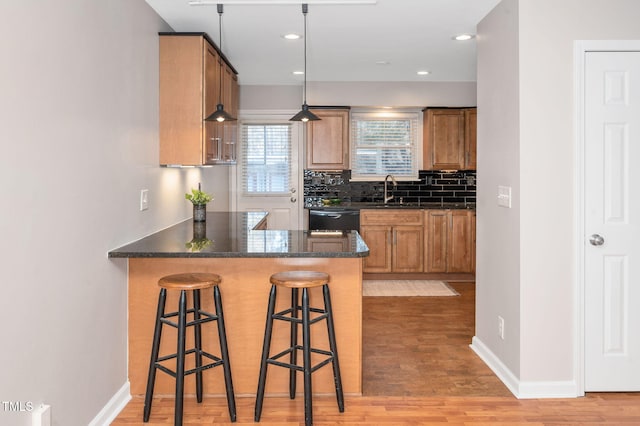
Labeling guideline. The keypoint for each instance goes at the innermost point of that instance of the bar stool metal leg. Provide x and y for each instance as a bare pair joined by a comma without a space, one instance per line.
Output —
306,355
266,346
182,320
197,330
294,342
151,380
333,347
224,354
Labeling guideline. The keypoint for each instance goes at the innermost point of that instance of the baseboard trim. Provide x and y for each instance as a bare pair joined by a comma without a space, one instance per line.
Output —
115,405
494,363
520,389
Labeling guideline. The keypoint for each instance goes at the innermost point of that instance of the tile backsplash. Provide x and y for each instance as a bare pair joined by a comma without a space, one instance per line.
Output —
432,187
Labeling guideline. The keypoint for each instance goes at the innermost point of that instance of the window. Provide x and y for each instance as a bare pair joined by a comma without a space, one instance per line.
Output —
384,143
266,157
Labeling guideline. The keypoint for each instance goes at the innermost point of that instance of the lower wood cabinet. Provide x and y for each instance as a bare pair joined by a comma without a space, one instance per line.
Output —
432,241
450,242
395,239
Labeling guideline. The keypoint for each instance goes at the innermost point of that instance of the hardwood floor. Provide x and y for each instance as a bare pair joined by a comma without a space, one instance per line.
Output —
419,346
418,370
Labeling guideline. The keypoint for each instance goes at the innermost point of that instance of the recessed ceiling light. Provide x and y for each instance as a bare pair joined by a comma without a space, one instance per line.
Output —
292,36
298,72
424,72
383,63
463,37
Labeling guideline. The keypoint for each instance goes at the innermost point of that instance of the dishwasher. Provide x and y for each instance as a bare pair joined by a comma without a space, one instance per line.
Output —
342,219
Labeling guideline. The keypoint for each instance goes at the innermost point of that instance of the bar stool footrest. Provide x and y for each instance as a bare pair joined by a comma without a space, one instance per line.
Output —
216,362
208,318
285,316
274,359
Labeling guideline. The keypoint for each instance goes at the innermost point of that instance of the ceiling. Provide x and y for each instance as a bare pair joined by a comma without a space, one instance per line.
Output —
388,40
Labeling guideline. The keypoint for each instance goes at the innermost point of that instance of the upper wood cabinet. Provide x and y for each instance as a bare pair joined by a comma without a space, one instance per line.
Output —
449,139
328,140
190,73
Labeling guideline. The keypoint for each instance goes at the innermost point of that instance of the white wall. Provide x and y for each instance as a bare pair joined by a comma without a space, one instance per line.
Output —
546,164
79,108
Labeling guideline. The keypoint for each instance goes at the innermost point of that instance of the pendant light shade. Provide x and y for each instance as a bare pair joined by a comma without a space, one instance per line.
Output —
305,115
220,114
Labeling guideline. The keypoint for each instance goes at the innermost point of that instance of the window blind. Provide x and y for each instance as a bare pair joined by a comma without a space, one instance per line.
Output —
383,144
266,159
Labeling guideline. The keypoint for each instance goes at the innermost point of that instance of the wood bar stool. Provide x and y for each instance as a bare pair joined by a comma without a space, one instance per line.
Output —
189,282
296,280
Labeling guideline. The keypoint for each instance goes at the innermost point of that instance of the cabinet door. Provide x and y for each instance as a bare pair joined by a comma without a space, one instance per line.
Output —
328,140
181,95
460,253
473,242
470,123
211,99
378,239
444,139
408,244
323,245
229,128
437,230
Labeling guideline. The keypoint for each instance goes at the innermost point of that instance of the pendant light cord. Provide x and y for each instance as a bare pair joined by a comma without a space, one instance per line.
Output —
304,12
220,10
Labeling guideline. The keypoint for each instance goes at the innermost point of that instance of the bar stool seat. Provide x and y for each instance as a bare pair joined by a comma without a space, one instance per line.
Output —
192,282
296,280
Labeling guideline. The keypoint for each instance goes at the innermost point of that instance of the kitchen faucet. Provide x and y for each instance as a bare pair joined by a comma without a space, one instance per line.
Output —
386,180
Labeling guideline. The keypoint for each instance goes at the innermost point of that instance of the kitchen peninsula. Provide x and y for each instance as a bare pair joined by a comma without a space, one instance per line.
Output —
238,248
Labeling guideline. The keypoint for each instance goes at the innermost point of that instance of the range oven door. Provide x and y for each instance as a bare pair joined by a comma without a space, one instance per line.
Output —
334,219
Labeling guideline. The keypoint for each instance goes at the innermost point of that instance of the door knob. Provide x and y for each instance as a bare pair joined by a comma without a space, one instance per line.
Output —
596,240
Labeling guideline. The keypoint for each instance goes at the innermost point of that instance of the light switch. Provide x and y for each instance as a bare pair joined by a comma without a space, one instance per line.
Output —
504,196
144,199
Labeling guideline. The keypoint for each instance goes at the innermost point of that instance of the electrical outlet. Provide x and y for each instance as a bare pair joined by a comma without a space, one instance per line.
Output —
501,327
144,199
41,416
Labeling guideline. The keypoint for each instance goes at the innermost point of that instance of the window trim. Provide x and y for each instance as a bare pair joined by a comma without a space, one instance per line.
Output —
396,113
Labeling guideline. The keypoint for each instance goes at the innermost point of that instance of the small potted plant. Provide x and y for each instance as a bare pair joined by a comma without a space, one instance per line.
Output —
199,199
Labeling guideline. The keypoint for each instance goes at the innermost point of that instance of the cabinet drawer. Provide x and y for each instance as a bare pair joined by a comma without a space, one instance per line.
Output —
391,217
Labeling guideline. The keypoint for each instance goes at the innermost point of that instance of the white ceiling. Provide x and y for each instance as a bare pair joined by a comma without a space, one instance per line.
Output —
344,41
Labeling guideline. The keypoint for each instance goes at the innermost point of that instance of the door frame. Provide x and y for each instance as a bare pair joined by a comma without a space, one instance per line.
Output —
283,115
581,48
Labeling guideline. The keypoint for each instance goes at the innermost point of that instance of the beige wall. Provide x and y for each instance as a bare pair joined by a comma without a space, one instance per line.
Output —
395,94
79,107
498,237
545,166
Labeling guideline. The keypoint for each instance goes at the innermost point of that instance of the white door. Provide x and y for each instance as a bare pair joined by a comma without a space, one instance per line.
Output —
267,174
612,221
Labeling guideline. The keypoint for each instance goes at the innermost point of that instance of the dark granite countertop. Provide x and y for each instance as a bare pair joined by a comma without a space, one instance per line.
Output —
231,234
392,205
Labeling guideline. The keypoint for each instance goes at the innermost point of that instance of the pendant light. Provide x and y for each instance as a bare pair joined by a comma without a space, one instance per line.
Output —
220,114
305,115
